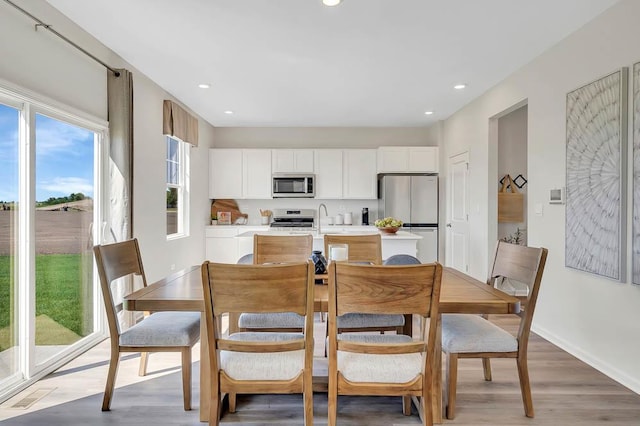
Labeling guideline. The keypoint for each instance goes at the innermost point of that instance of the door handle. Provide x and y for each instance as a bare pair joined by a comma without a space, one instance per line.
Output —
449,225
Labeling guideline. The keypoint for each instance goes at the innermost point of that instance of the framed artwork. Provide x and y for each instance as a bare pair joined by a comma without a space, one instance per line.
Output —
224,218
635,249
595,187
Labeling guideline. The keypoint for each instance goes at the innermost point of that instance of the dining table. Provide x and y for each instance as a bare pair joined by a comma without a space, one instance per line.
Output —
182,291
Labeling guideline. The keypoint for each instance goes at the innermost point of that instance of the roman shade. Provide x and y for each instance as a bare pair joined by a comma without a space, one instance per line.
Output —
179,123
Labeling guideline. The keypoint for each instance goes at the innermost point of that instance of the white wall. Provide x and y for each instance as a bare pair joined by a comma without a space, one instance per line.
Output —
41,62
594,318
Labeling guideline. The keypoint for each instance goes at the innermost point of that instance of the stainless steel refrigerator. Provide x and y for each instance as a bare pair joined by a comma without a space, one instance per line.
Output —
414,200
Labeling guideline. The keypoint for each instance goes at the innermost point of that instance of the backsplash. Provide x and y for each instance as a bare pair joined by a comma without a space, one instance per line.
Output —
334,207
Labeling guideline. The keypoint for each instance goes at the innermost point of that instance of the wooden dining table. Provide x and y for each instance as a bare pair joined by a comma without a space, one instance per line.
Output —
182,291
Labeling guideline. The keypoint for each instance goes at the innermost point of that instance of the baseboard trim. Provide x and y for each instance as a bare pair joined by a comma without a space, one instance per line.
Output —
597,363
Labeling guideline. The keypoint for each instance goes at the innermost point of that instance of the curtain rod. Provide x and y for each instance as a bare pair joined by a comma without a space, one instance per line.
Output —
40,23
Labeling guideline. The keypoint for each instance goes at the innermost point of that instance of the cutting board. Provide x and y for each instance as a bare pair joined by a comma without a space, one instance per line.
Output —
227,206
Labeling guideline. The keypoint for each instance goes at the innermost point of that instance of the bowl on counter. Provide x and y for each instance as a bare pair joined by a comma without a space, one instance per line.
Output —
388,229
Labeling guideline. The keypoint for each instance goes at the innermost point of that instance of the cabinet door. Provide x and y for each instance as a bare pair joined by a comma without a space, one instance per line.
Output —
292,160
256,173
359,174
328,170
225,173
221,245
393,159
423,159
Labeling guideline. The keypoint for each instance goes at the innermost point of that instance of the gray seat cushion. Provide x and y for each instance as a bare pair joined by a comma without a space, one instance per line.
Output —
464,333
370,320
263,366
164,329
376,368
271,320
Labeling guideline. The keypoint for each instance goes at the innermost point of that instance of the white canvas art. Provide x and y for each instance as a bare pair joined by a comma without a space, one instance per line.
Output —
596,140
635,259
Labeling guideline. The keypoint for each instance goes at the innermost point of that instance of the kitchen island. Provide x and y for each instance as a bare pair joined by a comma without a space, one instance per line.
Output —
402,242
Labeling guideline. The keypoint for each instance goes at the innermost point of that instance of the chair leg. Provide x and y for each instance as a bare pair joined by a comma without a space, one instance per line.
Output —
332,401
525,386
231,397
486,366
406,405
186,378
144,360
111,379
451,378
308,398
214,406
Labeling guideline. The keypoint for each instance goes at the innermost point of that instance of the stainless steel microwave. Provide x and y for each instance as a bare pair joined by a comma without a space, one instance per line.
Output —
293,185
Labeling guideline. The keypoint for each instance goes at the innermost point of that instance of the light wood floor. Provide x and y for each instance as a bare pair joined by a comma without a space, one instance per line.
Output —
565,392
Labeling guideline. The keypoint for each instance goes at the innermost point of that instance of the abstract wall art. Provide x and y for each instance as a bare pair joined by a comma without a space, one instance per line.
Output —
595,194
635,251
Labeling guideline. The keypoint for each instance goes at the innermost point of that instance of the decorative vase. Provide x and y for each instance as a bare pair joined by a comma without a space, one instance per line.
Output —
319,261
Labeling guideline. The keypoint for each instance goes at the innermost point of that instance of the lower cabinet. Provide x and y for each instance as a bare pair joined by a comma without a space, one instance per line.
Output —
222,245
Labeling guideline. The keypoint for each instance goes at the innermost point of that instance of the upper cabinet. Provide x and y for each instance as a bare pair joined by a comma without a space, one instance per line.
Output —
225,173
328,171
408,159
239,173
292,160
359,178
256,183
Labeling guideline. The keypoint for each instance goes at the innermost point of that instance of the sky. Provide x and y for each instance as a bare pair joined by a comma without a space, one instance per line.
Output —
64,157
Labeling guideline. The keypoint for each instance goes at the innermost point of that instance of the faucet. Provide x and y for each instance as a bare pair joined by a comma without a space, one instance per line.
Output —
325,213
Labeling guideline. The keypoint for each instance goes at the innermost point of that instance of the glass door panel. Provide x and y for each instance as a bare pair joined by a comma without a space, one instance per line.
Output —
9,342
64,192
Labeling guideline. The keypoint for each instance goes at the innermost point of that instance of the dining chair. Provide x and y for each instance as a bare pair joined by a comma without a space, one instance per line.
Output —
277,249
158,332
364,248
259,362
384,364
473,336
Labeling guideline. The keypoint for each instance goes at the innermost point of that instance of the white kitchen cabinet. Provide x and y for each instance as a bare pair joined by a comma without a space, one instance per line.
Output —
292,160
225,173
359,177
220,244
328,171
407,159
256,182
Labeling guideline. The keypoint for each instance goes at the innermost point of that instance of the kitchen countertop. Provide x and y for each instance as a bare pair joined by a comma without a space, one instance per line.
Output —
400,235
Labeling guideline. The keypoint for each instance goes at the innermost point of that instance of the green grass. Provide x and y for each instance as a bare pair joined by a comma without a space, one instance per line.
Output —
60,294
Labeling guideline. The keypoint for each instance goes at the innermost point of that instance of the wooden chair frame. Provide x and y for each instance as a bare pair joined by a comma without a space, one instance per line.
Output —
362,248
410,289
526,265
116,261
258,288
276,249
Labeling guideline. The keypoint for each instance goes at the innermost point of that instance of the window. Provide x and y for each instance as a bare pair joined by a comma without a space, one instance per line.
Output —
177,187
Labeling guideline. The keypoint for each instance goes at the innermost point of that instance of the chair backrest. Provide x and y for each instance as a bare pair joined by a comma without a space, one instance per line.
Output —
402,259
261,288
116,261
281,248
362,248
378,289
525,265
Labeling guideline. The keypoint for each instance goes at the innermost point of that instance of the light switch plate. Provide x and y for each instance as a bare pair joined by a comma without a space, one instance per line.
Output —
539,208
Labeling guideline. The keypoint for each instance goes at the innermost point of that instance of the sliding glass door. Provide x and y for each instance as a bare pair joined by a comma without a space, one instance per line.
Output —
50,202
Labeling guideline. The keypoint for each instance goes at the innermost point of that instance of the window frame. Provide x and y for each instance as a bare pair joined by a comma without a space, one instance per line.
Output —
182,187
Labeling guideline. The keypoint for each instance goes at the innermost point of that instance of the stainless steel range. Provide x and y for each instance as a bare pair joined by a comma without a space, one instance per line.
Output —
293,218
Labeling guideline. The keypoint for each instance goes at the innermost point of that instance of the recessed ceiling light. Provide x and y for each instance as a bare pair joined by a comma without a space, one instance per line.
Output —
428,112
459,86
331,2
228,112
204,85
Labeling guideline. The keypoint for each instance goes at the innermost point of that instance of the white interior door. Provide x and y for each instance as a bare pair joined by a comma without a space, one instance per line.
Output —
458,224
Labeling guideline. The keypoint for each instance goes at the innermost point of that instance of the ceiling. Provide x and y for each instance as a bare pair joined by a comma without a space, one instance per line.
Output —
297,63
